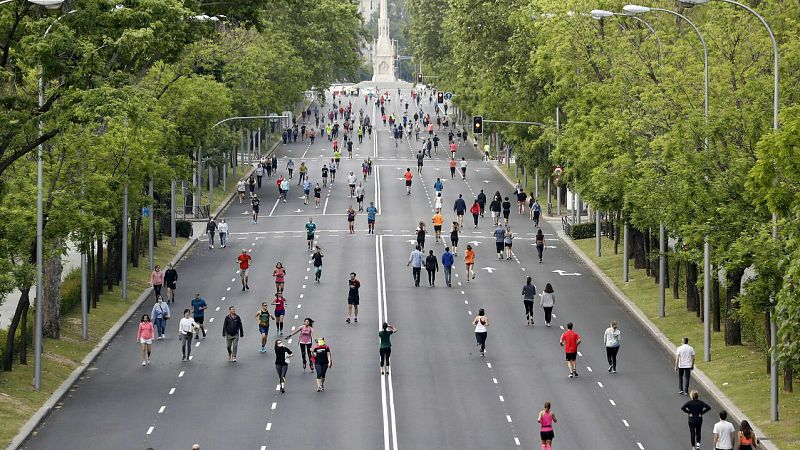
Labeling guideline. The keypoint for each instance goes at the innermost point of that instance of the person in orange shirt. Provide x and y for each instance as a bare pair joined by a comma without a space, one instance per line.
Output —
438,220
469,259
452,168
408,175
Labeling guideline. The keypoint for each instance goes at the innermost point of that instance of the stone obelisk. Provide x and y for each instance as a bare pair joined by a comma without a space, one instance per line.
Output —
383,57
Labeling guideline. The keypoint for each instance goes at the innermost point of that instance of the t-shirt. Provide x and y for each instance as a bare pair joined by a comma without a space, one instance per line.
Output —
321,354
408,176
354,285
351,179
197,305
280,355
438,220
244,261
317,191
385,336
255,202
310,228
724,431
685,353
499,235
280,303
317,257
506,206
570,339
324,172
371,212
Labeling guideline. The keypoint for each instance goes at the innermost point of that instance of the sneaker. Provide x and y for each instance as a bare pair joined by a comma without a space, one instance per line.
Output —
575,373
319,389
680,392
609,368
571,375
165,336
548,324
183,359
247,286
355,320
262,350
242,288
282,390
381,372
233,358
347,320
613,370
144,363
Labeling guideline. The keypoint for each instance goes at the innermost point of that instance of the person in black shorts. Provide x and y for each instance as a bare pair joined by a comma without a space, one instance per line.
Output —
255,202
506,209
352,297
317,195
324,175
323,360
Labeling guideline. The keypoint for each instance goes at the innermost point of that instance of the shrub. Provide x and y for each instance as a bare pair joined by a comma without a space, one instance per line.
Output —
71,291
582,230
183,228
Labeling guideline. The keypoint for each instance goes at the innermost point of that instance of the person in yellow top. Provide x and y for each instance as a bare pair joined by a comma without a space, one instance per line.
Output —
469,259
438,220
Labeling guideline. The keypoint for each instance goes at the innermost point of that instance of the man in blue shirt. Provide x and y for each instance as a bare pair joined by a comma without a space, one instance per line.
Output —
371,212
460,207
447,263
415,260
499,238
310,228
199,311
438,186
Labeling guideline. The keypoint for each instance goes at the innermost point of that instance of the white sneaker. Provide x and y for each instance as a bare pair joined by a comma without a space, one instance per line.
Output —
144,363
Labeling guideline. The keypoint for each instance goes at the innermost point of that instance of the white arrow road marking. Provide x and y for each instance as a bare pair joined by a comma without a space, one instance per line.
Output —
475,243
564,273
489,269
486,181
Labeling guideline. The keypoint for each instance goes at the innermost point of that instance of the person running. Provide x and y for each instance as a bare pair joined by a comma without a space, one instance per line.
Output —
481,322
536,211
360,196
144,336
475,209
303,171
469,261
317,262
317,195
528,297
452,168
684,363
259,174
211,230
385,348
431,266
280,311
499,237
223,233
311,227
454,237
506,205
306,339
365,170
539,244
199,307
160,315
255,202
546,420
241,188
481,199
323,360
570,340
415,260
508,242
244,268
421,232
157,280
438,186
747,437
611,338
447,264
460,208
463,168
495,207
351,219
351,181
420,161
171,281
279,273
262,316
282,355
408,176
547,300
352,297
290,167
453,148
372,212
437,221
521,198
306,190
695,408
724,433
332,169
325,175
232,330
186,330
251,183
284,189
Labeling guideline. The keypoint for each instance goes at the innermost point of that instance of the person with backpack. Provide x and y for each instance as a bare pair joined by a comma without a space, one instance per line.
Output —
160,315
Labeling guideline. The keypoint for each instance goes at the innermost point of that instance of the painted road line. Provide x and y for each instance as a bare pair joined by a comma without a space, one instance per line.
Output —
600,384
625,422
171,391
641,447
325,208
274,405
588,368
501,398
269,426
274,206
612,402
150,430
180,375
516,440
161,410
495,380
210,320
508,418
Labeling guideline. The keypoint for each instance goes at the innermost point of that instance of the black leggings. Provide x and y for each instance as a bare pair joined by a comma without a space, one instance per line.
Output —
431,276
385,354
305,349
481,338
281,369
611,355
694,432
475,219
548,312
528,309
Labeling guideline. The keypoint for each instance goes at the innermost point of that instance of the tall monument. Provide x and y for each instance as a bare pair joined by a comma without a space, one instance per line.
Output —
383,50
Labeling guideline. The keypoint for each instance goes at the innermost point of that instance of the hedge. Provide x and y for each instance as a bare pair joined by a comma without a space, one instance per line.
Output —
582,230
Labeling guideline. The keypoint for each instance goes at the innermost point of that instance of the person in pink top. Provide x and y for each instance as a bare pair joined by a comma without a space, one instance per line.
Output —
546,420
145,337
306,339
157,280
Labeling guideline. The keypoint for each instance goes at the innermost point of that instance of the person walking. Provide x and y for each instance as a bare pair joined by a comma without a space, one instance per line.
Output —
724,433
747,437
280,311
251,183
290,167
311,227
211,229
437,221
282,355
317,195
306,339
415,260
506,206
317,262
684,363
280,277
452,168
540,244
241,188
232,331
508,243
353,298
259,174
307,185
463,168
437,203
262,316
547,300
611,338
536,211
546,420
454,237
421,232
303,170
360,196
460,208
528,297
469,261
284,189
144,336
351,182
171,281
351,220
447,264
160,315
495,207
385,349
695,409
499,240
570,340
475,209
372,212
481,322
186,330
323,360
431,266
157,280
223,233
199,307
244,268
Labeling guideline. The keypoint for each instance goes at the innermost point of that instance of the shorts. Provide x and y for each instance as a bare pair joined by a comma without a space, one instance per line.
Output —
263,330
352,301
572,356
360,198
508,244
255,209
317,269
370,221
352,186
244,272
546,435
172,285
495,214
499,246
280,312
321,370
145,341
306,192
437,228
309,237
408,182
199,319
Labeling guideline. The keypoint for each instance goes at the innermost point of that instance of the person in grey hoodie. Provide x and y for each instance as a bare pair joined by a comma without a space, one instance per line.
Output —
528,296
160,315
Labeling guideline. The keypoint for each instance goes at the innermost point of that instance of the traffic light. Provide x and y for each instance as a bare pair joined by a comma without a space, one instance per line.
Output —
440,97
420,78
477,124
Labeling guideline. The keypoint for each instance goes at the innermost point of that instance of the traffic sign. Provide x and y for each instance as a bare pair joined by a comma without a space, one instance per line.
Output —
145,211
448,95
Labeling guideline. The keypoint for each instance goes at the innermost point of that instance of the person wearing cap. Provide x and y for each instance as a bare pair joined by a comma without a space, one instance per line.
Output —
262,316
323,360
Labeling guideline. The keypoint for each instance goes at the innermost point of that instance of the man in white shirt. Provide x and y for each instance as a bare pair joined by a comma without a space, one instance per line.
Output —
724,433
684,363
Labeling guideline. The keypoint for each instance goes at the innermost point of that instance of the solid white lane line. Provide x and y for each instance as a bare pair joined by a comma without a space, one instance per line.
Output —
625,422
612,402
150,430
384,409
171,391
161,410
325,208
274,206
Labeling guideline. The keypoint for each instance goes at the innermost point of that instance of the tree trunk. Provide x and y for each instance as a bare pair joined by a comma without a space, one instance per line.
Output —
135,241
692,296
768,334
51,304
788,374
648,253
23,326
733,328
19,313
676,284
98,279
616,233
110,245
666,268
715,307
637,248
90,275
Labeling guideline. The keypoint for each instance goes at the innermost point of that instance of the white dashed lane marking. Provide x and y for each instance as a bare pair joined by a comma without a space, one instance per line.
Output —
150,430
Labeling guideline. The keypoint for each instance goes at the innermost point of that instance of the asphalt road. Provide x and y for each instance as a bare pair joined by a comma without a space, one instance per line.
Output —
439,395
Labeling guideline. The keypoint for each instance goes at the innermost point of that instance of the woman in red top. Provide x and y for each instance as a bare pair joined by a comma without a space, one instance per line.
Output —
279,273
476,212
280,311
145,337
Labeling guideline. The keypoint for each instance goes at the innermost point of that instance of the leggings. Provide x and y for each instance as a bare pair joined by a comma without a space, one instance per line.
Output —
157,290
539,250
475,219
281,371
528,309
186,345
611,355
694,432
548,312
481,338
431,276
305,349
385,354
